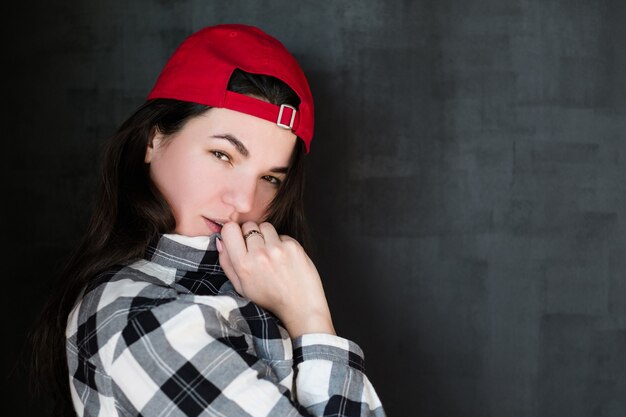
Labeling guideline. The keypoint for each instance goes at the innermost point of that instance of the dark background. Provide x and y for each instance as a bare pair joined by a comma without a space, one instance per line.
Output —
465,185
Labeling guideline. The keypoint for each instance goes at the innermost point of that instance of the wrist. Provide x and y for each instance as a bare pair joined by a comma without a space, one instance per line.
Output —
317,323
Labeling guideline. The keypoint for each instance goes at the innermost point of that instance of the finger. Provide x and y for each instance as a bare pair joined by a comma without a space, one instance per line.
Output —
228,268
252,236
269,233
233,242
286,238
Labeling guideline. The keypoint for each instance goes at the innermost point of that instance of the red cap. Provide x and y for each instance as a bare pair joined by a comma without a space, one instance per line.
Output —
199,71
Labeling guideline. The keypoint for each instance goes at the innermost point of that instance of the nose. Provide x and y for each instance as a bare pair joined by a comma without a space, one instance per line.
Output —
240,195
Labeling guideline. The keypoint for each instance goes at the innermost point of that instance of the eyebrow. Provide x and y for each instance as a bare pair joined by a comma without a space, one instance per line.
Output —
279,170
241,148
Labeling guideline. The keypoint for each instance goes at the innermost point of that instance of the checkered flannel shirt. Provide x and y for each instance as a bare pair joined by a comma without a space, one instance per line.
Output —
169,336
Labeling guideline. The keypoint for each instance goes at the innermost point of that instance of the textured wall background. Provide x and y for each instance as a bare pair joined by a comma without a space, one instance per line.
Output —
466,181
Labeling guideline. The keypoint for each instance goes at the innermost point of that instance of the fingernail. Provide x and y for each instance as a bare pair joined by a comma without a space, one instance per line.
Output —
218,244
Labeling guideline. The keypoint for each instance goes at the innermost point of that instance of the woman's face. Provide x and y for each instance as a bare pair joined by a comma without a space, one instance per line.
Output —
222,166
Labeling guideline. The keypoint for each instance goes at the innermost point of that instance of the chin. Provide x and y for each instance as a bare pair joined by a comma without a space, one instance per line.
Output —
192,231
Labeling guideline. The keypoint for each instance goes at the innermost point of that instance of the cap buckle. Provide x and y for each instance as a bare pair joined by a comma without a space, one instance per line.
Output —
280,116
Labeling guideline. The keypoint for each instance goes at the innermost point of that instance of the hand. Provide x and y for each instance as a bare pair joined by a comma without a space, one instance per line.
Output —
276,273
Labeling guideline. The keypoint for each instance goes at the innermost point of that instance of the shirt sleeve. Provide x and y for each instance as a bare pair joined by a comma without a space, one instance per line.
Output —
331,377
184,358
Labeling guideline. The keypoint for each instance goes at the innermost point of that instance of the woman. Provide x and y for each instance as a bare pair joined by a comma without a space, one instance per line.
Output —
190,293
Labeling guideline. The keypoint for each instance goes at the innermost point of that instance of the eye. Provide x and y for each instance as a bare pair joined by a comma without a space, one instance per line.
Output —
221,156
272,180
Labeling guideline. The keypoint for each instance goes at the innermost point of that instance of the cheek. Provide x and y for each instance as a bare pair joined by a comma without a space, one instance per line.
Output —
180,181
265,196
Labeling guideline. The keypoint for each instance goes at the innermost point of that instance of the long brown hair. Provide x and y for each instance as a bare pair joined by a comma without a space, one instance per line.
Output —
131,212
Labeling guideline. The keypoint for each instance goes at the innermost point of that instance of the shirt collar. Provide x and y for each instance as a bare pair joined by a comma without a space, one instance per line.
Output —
186,253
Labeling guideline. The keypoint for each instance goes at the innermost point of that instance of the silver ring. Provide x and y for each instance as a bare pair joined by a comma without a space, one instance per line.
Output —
251,233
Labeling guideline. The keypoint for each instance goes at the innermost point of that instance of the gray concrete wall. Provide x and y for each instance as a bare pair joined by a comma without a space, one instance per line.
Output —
466,181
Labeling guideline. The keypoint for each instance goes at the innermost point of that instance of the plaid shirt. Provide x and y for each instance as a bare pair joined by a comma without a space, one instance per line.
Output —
169,336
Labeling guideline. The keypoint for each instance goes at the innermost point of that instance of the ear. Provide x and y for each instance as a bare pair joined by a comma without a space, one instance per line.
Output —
153,145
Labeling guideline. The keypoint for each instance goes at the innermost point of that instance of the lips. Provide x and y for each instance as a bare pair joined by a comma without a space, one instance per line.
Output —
214,225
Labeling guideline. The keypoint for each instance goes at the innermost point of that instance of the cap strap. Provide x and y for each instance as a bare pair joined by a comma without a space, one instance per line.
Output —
284,115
